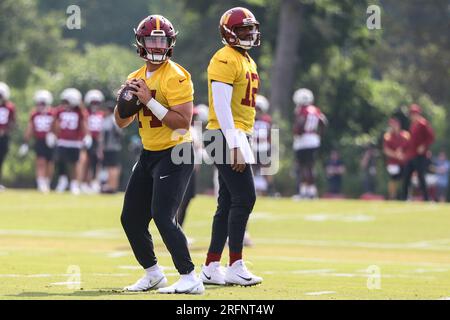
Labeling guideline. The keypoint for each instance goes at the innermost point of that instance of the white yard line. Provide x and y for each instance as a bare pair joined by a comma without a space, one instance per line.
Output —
90,234
319,293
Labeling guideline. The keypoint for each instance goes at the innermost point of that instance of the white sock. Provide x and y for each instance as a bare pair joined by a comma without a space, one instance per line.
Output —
40,182
153,269
303,189
74,184
312,191
190,276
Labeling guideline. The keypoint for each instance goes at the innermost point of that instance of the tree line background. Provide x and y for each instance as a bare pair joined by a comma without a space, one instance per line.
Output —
359,77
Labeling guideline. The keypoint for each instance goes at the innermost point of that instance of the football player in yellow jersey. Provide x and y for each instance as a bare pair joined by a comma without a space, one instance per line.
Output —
232,84
159,181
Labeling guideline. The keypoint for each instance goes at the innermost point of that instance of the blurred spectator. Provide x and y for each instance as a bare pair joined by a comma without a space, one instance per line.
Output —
110,146
395,142
369,169
7,122
262,146
199,119
441,167
335,169
135,147
422,136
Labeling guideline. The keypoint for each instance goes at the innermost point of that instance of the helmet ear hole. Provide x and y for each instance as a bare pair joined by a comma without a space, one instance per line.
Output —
142,52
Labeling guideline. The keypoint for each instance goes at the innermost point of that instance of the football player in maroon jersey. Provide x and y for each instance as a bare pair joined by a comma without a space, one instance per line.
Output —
89,160
309,123
7,122
262,144
39,128
395,142
70,128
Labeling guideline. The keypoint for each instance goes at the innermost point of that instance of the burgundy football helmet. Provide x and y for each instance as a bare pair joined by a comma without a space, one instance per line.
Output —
239,17
155,39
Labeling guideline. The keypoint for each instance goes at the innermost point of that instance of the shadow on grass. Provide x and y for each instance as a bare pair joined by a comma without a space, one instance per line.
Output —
80,293
97,293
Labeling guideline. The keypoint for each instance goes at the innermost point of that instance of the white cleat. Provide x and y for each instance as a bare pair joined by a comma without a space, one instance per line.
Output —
213,273
63,183
86,189
147,283
237,274
185,286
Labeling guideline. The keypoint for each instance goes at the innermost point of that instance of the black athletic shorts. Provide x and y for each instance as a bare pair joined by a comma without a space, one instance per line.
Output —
42,150
306,156
4,147
111,158
70,155
92,151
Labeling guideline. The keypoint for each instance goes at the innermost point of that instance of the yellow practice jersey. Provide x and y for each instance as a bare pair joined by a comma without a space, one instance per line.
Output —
230,66
170,85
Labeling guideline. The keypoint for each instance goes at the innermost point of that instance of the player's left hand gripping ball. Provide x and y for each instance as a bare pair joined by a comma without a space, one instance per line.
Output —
128,103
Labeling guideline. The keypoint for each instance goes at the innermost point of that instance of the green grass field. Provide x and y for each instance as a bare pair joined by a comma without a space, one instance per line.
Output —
304,250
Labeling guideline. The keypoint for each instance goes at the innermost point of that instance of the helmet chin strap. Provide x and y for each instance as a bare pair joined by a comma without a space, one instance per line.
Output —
247,45
156,58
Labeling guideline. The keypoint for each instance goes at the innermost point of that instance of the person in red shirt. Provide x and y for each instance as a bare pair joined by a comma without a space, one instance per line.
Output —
39,128
89,156
309,124
422,136
395,142
7,122
70,128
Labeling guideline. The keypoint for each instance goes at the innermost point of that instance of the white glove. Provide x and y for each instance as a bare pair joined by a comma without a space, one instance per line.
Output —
87,141
50,140
23,150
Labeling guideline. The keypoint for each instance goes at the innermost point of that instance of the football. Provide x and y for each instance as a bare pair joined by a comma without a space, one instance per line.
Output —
127,103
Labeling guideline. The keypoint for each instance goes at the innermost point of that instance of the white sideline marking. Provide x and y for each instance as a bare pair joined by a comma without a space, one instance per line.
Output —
90,234
130,267
319,217
444,298
434,270
329,273
317,271
319,293
118,254
441,244
436,244
26,275
339,217
322,260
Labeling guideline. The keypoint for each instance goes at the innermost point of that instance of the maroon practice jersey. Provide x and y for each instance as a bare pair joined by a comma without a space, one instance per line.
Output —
7,116
308,125
41,122
70,127
95,123
261,133
308,120
421,134
396,142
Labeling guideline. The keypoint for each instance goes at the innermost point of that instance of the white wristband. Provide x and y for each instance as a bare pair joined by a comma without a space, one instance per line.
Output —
157,108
